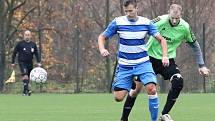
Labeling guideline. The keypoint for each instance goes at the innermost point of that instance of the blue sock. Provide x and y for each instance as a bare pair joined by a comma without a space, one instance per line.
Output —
153,106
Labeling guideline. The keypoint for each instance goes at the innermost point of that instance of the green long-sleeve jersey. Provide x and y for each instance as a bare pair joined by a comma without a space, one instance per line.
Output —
174,35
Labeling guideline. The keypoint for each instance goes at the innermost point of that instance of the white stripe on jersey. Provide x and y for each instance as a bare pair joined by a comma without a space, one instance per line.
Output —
122,61
124,21
131,49
132,35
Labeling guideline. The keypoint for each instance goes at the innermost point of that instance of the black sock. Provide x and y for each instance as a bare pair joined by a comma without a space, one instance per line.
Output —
129,103
177,85
171,99
133,85
25,86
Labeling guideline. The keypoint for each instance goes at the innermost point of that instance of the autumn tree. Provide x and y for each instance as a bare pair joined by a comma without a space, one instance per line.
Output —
8,26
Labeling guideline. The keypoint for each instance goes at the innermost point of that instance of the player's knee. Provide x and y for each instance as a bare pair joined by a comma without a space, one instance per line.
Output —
151,89
25,81
25,77
177,82
118,99
119,95
137,90
134,93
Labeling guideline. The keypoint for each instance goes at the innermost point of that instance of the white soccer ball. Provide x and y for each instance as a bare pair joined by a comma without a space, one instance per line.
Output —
38,75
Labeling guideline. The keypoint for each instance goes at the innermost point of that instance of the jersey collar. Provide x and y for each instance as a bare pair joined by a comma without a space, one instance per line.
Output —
174,25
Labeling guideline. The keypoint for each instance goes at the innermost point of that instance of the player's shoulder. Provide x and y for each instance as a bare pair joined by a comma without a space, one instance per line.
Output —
184,23
163,18
144,20
120,20
32,42
20,42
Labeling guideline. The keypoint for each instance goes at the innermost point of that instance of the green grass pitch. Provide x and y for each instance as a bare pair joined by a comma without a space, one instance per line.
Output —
99,107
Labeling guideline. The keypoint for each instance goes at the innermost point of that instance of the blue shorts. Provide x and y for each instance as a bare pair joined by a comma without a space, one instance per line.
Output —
124,75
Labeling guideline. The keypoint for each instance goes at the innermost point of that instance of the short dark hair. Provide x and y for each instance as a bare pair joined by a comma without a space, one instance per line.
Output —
128,2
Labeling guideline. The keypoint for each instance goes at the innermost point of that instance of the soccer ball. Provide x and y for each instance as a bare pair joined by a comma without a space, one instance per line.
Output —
38,75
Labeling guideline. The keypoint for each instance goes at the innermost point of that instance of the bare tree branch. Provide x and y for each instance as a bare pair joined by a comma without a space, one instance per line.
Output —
96,16
20,22
7,2
18,6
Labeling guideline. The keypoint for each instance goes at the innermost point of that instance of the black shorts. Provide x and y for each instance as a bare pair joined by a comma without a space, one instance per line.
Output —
25,67
166,72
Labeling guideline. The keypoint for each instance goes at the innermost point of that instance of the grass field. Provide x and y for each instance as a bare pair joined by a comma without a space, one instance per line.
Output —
98,107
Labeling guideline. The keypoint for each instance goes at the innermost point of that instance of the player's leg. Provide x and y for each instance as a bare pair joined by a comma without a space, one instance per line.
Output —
131,97
119,94
25,84
122,83
24,73
176,87
29,68
149,80
173,74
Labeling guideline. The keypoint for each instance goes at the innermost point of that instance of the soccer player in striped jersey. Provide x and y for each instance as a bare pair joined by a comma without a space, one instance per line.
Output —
176,31
133,59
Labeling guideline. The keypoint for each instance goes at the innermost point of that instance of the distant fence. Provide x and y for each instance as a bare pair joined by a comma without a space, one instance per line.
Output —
193,83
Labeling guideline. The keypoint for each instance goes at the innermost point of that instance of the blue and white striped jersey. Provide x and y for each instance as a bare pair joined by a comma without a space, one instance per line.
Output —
132,35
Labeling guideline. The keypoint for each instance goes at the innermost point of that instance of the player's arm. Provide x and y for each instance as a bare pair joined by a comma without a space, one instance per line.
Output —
203,70
165,59
15,51
197,53
154,32
36,53
101,42
108,33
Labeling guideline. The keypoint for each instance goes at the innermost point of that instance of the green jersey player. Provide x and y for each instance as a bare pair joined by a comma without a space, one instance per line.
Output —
176,31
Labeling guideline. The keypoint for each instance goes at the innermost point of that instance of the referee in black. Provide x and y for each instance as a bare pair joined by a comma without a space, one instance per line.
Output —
25,50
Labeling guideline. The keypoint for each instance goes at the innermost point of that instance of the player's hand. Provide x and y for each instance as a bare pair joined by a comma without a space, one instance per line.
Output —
165,61
39,64
104,52
204,71
13,65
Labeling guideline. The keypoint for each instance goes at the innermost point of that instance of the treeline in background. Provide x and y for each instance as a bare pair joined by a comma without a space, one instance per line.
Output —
66,33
